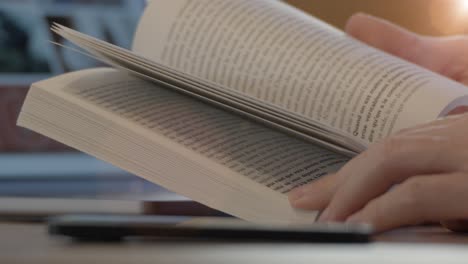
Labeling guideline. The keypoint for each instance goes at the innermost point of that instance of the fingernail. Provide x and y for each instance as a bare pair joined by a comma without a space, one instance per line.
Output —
353,219
361,14
302,202
357,219
324,216
296,194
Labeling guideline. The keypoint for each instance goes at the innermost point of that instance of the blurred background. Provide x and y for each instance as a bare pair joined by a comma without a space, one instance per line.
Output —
429,17
34,166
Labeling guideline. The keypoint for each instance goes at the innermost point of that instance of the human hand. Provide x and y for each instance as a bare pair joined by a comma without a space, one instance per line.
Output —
417,175
447,56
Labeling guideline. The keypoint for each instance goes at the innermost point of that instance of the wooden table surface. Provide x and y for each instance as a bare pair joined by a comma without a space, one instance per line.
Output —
30,243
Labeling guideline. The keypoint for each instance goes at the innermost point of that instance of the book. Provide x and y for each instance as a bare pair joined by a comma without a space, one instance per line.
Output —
234,103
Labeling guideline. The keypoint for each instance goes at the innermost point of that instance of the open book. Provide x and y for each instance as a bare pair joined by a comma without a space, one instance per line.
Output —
235,103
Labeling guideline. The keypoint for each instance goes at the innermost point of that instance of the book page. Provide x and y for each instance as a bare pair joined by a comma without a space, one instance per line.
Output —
84,110
214,94
270,158
278,54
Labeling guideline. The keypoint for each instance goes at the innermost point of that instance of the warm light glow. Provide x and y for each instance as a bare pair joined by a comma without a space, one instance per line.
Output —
449,17
464,5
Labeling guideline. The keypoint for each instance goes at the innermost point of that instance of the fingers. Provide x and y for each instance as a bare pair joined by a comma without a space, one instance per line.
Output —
385,36
383,166
447,55
315,195
438,126
419,199
436,147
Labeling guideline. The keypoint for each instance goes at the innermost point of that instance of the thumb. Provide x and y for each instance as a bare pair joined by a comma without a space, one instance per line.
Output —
388,37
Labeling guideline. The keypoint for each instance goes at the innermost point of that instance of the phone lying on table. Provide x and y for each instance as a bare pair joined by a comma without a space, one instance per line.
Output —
117,227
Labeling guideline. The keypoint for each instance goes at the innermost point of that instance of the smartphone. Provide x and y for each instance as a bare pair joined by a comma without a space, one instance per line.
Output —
118,227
